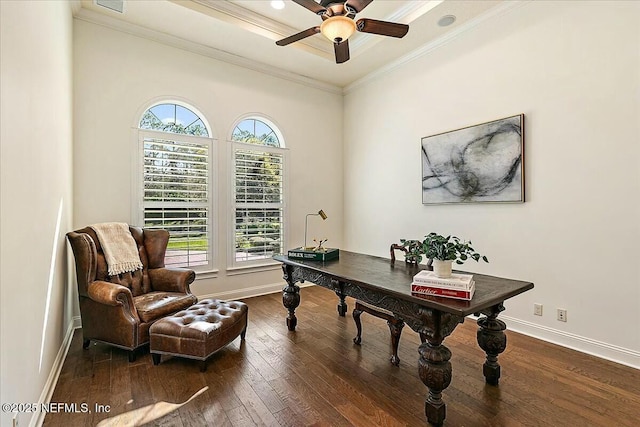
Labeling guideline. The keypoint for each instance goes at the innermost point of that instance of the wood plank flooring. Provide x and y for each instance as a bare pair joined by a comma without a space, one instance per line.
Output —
317,376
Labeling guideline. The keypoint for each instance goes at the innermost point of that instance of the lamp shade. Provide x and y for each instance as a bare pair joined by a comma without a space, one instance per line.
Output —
338,28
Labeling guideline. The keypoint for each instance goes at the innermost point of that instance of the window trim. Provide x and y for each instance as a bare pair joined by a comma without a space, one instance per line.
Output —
266,120
261,264
210,269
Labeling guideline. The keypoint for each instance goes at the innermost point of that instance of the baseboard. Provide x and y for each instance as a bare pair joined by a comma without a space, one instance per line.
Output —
45,397
579,343
254,291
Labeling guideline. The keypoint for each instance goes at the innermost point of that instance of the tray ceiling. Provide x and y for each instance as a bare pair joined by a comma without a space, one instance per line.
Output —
245,31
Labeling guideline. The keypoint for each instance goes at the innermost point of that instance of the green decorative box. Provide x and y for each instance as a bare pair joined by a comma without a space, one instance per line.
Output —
310,255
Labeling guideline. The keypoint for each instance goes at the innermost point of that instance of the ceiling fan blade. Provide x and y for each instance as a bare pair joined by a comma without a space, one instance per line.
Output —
311,5
383,28
358,5
342,51
299,36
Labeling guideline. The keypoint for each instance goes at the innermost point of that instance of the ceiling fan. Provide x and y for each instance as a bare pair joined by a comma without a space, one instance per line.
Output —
338,24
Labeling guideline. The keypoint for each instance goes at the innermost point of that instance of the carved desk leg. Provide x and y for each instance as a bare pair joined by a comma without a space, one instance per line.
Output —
434,366
493,341
339,289
290,296
435,372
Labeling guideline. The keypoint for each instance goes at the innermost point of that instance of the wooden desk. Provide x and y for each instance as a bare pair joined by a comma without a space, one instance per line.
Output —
384,284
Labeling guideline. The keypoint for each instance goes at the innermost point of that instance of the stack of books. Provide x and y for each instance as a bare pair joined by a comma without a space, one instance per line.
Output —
458,286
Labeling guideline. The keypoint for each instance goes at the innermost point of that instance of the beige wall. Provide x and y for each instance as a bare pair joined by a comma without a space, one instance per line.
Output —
36,72
117,75
573,69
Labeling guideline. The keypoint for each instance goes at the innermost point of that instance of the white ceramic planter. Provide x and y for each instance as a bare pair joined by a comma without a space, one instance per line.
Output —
442,268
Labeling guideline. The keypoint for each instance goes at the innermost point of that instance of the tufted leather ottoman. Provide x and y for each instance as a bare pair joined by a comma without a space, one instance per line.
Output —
199,331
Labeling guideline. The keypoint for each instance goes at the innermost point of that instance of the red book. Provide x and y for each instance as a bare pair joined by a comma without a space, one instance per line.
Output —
421,290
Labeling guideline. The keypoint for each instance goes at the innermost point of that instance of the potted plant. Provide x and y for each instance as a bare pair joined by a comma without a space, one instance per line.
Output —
443,251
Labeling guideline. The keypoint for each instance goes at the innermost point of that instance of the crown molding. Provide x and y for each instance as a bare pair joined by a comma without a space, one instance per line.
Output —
93,17
258,24
406,15
200,49
267,27
75,6
470,25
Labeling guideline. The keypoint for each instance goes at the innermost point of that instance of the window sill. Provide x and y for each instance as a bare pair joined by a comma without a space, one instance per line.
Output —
208,274
254,268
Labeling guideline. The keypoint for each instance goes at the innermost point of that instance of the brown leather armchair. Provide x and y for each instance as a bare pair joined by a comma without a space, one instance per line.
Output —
119,310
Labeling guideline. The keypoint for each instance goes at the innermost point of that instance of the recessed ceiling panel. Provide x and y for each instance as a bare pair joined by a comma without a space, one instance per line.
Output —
248,29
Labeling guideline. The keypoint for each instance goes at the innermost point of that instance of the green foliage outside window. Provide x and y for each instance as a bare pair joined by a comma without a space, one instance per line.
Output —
259,188
171,123
176,182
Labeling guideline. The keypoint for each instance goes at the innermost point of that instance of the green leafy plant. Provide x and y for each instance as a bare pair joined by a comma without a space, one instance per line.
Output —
414,250
435,246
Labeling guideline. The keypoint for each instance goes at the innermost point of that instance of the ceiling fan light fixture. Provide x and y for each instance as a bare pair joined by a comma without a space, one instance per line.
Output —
338,28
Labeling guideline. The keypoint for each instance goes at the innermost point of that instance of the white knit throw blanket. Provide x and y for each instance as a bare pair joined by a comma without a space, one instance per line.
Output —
119,247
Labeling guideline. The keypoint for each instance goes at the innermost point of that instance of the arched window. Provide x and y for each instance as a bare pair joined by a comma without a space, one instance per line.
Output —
176,169
255,131
173,118
258,191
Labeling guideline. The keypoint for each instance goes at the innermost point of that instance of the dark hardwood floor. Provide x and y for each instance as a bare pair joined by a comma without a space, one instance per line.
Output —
317,376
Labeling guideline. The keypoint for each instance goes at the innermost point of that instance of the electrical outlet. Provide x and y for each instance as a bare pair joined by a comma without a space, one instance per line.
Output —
562,315
537,309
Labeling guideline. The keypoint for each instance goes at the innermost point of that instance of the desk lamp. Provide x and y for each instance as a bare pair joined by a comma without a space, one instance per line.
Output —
321,214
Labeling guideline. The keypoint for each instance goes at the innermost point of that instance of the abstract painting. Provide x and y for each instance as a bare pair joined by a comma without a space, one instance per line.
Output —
480,163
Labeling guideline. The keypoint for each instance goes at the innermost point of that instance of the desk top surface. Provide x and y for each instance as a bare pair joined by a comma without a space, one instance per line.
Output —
380,275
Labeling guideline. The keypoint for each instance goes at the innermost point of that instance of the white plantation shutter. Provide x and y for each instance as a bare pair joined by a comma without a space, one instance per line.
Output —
259,202
177,195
